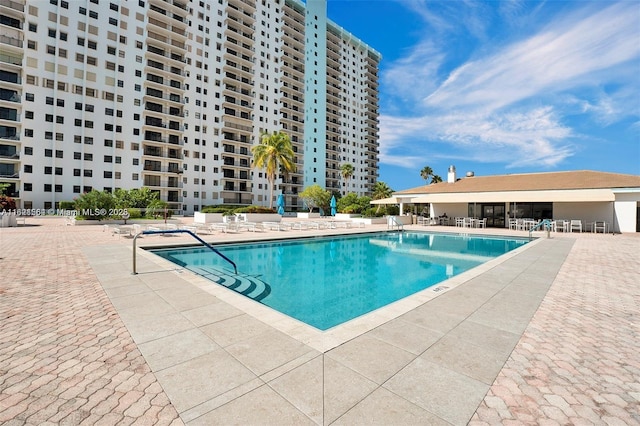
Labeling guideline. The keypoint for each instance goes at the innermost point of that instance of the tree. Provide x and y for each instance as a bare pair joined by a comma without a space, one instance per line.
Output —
135,198
380,191
346,170
316,196
426,173
96,203
274,154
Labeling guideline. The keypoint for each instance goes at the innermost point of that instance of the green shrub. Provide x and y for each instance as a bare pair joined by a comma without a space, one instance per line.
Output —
373,212
214,209
134,213
67,205
96,203
254,209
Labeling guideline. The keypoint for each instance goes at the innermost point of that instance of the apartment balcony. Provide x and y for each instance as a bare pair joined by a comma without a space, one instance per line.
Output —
9,134
240,25
175,6
241,93
156,182
244,38
238,10
11,45
12,62
7,6
163,11
169,40
239,60
155,152
158,167
11,78
151,107
9,114
7,173
157,95
169,70
9,96
295,23
247,5
170,29
172,59
9,158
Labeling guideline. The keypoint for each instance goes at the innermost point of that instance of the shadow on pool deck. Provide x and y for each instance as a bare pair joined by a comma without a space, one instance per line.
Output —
433,364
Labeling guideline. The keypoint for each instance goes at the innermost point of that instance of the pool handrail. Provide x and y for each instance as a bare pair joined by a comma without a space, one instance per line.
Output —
395,223
546,223
178,231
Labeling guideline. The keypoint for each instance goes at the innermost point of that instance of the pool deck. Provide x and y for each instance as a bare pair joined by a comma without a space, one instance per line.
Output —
548,334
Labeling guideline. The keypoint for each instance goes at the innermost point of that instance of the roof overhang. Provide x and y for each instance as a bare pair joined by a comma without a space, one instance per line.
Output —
392,200
558,196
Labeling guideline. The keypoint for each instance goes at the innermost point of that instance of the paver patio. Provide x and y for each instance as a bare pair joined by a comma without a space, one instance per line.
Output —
82,341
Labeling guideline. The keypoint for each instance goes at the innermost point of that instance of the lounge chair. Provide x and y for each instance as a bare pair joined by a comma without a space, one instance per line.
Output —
250,226
277,226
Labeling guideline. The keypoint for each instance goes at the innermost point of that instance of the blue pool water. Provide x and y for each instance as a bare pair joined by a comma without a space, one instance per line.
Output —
326,281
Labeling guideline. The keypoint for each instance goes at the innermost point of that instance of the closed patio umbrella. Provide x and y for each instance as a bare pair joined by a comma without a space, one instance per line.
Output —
280,204
333,205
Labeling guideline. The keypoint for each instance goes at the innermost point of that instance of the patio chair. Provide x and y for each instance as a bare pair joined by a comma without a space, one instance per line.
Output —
481,223
599,226
576,225
561,225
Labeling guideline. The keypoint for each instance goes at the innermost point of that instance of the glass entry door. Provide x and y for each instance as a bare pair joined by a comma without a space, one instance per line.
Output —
494,213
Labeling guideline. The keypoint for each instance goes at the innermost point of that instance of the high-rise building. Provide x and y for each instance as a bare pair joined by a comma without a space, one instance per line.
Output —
172,95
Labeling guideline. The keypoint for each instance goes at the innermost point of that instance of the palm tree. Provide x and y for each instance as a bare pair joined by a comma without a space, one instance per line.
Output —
426,173
274,153
346,170
380,191
436,179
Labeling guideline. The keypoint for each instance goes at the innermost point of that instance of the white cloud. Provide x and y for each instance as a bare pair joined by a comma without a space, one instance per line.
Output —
507,106
516,139
562,57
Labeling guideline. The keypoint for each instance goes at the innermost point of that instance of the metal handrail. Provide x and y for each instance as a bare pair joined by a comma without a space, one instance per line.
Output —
178,231
546,222
397,223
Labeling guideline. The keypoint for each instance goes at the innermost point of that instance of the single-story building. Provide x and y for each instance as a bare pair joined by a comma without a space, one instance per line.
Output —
584,195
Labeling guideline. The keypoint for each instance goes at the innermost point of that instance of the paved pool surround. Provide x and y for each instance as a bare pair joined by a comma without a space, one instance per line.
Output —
85,341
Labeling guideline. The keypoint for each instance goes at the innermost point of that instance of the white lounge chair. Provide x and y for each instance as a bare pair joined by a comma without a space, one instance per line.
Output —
250,226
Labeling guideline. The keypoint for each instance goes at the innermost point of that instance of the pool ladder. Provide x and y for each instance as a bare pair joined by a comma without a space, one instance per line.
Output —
393,221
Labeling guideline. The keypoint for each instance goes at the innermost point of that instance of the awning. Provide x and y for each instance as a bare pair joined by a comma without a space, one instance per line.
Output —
392,200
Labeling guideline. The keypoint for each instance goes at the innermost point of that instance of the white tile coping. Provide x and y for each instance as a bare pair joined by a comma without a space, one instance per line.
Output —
324,341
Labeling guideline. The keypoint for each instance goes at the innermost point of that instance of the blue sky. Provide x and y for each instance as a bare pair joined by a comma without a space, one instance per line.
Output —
502,86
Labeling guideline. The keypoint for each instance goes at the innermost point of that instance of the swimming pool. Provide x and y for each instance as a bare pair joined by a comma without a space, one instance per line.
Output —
326,281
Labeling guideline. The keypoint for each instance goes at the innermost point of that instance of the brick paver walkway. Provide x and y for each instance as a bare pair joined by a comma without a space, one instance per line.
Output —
579,360
65,355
